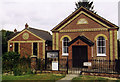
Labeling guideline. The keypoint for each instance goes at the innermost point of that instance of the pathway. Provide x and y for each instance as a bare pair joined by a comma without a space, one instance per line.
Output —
68,78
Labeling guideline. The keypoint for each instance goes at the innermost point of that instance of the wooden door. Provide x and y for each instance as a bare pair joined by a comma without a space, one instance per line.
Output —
79,55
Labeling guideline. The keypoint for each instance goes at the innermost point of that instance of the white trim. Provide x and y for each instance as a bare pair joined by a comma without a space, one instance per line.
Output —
98,54
101,54
92,51
64,54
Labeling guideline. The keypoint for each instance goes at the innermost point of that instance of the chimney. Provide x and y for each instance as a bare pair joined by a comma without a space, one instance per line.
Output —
26,26
15,30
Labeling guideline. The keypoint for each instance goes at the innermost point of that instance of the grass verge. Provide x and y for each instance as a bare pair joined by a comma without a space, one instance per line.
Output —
86,78
34,77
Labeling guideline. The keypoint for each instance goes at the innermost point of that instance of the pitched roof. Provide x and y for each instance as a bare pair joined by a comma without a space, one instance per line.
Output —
108,23
12,35
41,33
84,39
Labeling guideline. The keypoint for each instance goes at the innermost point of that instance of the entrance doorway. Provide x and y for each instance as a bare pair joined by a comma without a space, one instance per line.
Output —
79,55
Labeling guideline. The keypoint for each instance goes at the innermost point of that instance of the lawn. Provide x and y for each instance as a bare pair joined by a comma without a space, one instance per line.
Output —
33,77
86,78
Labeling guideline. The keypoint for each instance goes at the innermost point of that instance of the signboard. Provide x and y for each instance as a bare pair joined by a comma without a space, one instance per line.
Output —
52,54
55,65
87,63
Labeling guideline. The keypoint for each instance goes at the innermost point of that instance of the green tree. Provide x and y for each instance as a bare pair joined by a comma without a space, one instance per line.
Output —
85,3
5,35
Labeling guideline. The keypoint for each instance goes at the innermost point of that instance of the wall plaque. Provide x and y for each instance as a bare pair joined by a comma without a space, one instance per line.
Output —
87,63
82,21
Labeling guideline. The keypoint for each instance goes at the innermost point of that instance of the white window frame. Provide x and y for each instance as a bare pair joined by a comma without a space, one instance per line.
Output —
64,54
98,54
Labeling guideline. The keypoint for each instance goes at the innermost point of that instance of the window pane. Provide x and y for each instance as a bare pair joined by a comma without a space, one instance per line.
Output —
64,50
99,43
103,43
99,50
101,38
103,50
65,43
16,47
66,39
67,49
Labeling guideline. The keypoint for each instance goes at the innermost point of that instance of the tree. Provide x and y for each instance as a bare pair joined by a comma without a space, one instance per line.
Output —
5,35
85,3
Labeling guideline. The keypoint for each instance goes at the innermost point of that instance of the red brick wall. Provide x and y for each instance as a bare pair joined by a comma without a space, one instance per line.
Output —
40,50
11,49
91,36
91,24
26,49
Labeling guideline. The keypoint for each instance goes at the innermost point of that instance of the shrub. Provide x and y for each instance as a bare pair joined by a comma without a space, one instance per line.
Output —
9,61
17,72
13,62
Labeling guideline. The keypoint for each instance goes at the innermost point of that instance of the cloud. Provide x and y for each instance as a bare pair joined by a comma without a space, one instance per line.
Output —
44,14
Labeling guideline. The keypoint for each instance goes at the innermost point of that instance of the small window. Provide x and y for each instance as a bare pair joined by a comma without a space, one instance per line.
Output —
35,49
65,46
101,46
16,47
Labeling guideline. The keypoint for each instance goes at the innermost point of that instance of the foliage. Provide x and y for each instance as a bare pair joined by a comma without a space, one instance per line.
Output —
85,3
17,71
41,64
5,35
13,62
10,61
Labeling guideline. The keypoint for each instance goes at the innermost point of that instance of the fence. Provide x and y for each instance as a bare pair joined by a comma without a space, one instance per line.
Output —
97,66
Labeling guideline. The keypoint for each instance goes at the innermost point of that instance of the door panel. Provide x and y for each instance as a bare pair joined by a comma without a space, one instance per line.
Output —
79,55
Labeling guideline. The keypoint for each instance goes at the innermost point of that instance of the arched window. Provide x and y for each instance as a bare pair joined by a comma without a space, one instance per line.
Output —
101,46
65,46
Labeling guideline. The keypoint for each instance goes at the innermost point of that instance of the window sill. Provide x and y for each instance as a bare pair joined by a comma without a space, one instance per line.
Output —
101,55
64,54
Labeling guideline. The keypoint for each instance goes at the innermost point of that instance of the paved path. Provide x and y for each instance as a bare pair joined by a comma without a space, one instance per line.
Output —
68,78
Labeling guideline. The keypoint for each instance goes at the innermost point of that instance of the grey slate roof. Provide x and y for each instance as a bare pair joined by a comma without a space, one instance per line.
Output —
41,33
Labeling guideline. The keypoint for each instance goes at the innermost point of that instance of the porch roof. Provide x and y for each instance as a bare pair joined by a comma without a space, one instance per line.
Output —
84,39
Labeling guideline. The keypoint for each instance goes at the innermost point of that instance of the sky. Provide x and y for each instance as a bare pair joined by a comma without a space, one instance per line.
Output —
46,14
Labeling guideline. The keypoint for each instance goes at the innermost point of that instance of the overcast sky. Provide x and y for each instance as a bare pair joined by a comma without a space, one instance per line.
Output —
46,14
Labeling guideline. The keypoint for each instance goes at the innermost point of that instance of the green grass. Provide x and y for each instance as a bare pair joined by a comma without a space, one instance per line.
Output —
86,78
34,77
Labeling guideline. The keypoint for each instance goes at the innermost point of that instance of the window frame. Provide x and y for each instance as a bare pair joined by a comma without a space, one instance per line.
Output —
64,54
101,54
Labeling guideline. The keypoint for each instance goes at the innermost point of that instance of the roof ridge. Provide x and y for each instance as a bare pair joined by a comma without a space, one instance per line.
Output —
39,29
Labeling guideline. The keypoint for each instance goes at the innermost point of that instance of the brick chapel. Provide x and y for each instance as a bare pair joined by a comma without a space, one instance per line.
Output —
84,35
30,42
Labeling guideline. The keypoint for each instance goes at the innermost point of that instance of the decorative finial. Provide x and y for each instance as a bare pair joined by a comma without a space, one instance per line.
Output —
26,26
15,30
